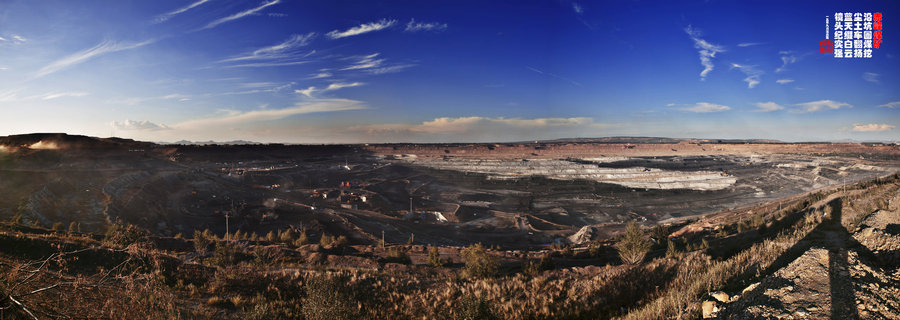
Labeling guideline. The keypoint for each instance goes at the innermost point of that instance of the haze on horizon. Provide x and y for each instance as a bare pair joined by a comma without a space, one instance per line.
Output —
441,71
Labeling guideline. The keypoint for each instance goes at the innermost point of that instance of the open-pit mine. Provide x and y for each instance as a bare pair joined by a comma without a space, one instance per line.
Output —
513,195
627,228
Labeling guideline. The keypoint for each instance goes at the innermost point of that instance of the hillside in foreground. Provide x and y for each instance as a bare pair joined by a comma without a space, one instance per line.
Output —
830,253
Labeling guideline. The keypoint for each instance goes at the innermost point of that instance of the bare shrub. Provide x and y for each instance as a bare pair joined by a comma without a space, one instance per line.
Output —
479,263
534,268
434,258
201,242
329,297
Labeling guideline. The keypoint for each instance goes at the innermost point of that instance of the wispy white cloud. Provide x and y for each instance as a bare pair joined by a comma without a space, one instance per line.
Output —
464,124
139,100
787,57
479,129
749,44
321,75
50,96
254,85
363,28
85,55
577,8
169,15
340,85
242,14
390,69
310,91
364,62
19,38
176,96
237,118
872,127
706,107
752,73
554,76
267,64
414,26
274,87
784,81
768,107
871,77
707,51
814,106
306,92
288,49
139,126
891,105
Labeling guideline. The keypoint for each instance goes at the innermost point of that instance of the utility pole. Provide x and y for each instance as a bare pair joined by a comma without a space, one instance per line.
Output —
382,239
410,205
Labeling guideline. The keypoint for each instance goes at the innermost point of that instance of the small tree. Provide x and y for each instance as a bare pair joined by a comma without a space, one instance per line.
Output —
434,257
58,226
534,268
302,238
672,250
595,249
326,240
121,234
201,242
659,234
397,255
633,246
286,236
74,227
471,308
479,263
341,241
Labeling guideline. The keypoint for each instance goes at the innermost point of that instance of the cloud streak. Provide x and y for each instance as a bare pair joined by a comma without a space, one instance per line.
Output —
331,87
237,118
145,125
707,51
767,107
88,54
751,72
286,53
891,105
787,57
365,62
169,15
820,105
872,127
871,77
706,107
51,96
414,26
554,76
784,81
361,29
477,128
242,14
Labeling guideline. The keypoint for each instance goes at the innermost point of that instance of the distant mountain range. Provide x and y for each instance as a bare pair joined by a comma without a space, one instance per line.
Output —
80,141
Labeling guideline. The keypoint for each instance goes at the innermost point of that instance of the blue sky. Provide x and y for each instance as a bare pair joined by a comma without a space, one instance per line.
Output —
441,71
